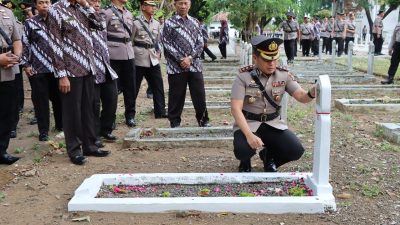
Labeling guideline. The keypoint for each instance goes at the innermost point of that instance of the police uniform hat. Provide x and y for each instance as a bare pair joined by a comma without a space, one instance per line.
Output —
340,13
290,14
148,2
381,11
268,48
8,4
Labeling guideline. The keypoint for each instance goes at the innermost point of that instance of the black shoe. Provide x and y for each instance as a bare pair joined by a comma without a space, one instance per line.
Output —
213,59
78,160
376,54
43,137
58,129
13,134
109,136
97,153
175,124
380,53
99,144
205,124
387,81
33,121
245,166
150,96
130,122
8,159
162,115
269,164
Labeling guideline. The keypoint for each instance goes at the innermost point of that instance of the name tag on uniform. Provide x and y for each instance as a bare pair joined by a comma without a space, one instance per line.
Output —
253,85
6,17
114,18
278,83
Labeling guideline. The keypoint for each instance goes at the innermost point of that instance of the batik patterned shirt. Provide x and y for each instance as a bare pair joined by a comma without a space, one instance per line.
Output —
181,37
71,40
102,57
35,45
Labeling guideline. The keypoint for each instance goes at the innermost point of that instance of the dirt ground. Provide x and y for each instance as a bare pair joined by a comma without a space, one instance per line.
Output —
365,170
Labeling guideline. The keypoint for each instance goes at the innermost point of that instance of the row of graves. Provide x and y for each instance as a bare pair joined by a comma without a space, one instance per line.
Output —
331,80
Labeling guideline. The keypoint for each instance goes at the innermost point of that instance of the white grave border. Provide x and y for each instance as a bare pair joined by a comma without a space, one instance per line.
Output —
322,201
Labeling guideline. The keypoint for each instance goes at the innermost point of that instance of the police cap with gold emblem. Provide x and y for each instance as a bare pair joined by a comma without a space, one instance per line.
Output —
9,4
267,48
148,2
25,5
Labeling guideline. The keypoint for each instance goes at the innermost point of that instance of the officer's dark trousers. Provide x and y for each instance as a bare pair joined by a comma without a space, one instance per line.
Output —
7,99
290,46
155,82
106,99
378,42
177,93
222,48
44,88
305,46
324,44
19,103
78,117
394,61
329,45
209,53
127,81
340,43
281,145
346,46
315,46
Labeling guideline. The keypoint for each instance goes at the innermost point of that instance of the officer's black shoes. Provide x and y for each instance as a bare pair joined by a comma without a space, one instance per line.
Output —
130,122
387,81
108,136
213,59
99,144
204,123
33,121
245,166
8,159
13,134
270,166
160,116
97,153
175,124
43,137
78,160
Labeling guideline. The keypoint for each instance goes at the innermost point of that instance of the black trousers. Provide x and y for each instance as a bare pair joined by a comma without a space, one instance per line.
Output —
177,92
324,43
281,145
78,117
222,48
340,43
363,36
7,99
306,46
329,45
209,53
19,103
346,46
315,46
127,84
394,61
44,88
290,47
154,79
378,42
106,99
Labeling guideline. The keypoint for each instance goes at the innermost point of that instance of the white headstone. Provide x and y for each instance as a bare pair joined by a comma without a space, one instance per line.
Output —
371,51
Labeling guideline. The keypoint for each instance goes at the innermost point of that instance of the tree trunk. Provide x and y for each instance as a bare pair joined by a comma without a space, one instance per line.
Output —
390,9
370,22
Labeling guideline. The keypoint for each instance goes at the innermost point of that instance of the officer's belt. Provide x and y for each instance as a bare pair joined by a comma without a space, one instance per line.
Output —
5,49
120,40
143,45
262,117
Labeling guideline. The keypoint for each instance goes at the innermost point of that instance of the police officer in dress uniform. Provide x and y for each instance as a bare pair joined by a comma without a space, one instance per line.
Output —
290,34
146,38
377,30
258,125
340,32
306,35
11,49
394,51
350,31
119,40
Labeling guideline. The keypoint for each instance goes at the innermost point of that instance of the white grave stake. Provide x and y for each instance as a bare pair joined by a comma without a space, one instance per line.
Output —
350,56
371,51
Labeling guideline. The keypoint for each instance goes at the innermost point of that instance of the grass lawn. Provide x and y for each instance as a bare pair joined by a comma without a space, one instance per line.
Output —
381,65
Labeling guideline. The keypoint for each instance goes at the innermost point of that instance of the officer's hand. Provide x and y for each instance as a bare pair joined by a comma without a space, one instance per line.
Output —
391,52
8,60
64,85
255,142
185,63
205,45
28,71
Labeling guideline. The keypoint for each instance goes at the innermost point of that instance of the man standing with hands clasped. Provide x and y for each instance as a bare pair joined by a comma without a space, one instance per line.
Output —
183,45
70,23
256,101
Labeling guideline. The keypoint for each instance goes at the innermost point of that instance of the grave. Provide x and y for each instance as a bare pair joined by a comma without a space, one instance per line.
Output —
391,131
321,201
354,78
377,87
363,105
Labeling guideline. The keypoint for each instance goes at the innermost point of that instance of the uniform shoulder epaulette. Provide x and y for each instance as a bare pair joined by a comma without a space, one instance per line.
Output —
281,68
246,69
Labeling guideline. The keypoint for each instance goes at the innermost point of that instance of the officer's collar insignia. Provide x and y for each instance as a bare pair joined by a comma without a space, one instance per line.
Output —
273,46
278,83
246,69
9,5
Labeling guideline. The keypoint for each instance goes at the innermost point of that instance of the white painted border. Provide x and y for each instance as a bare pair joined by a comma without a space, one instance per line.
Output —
84,198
